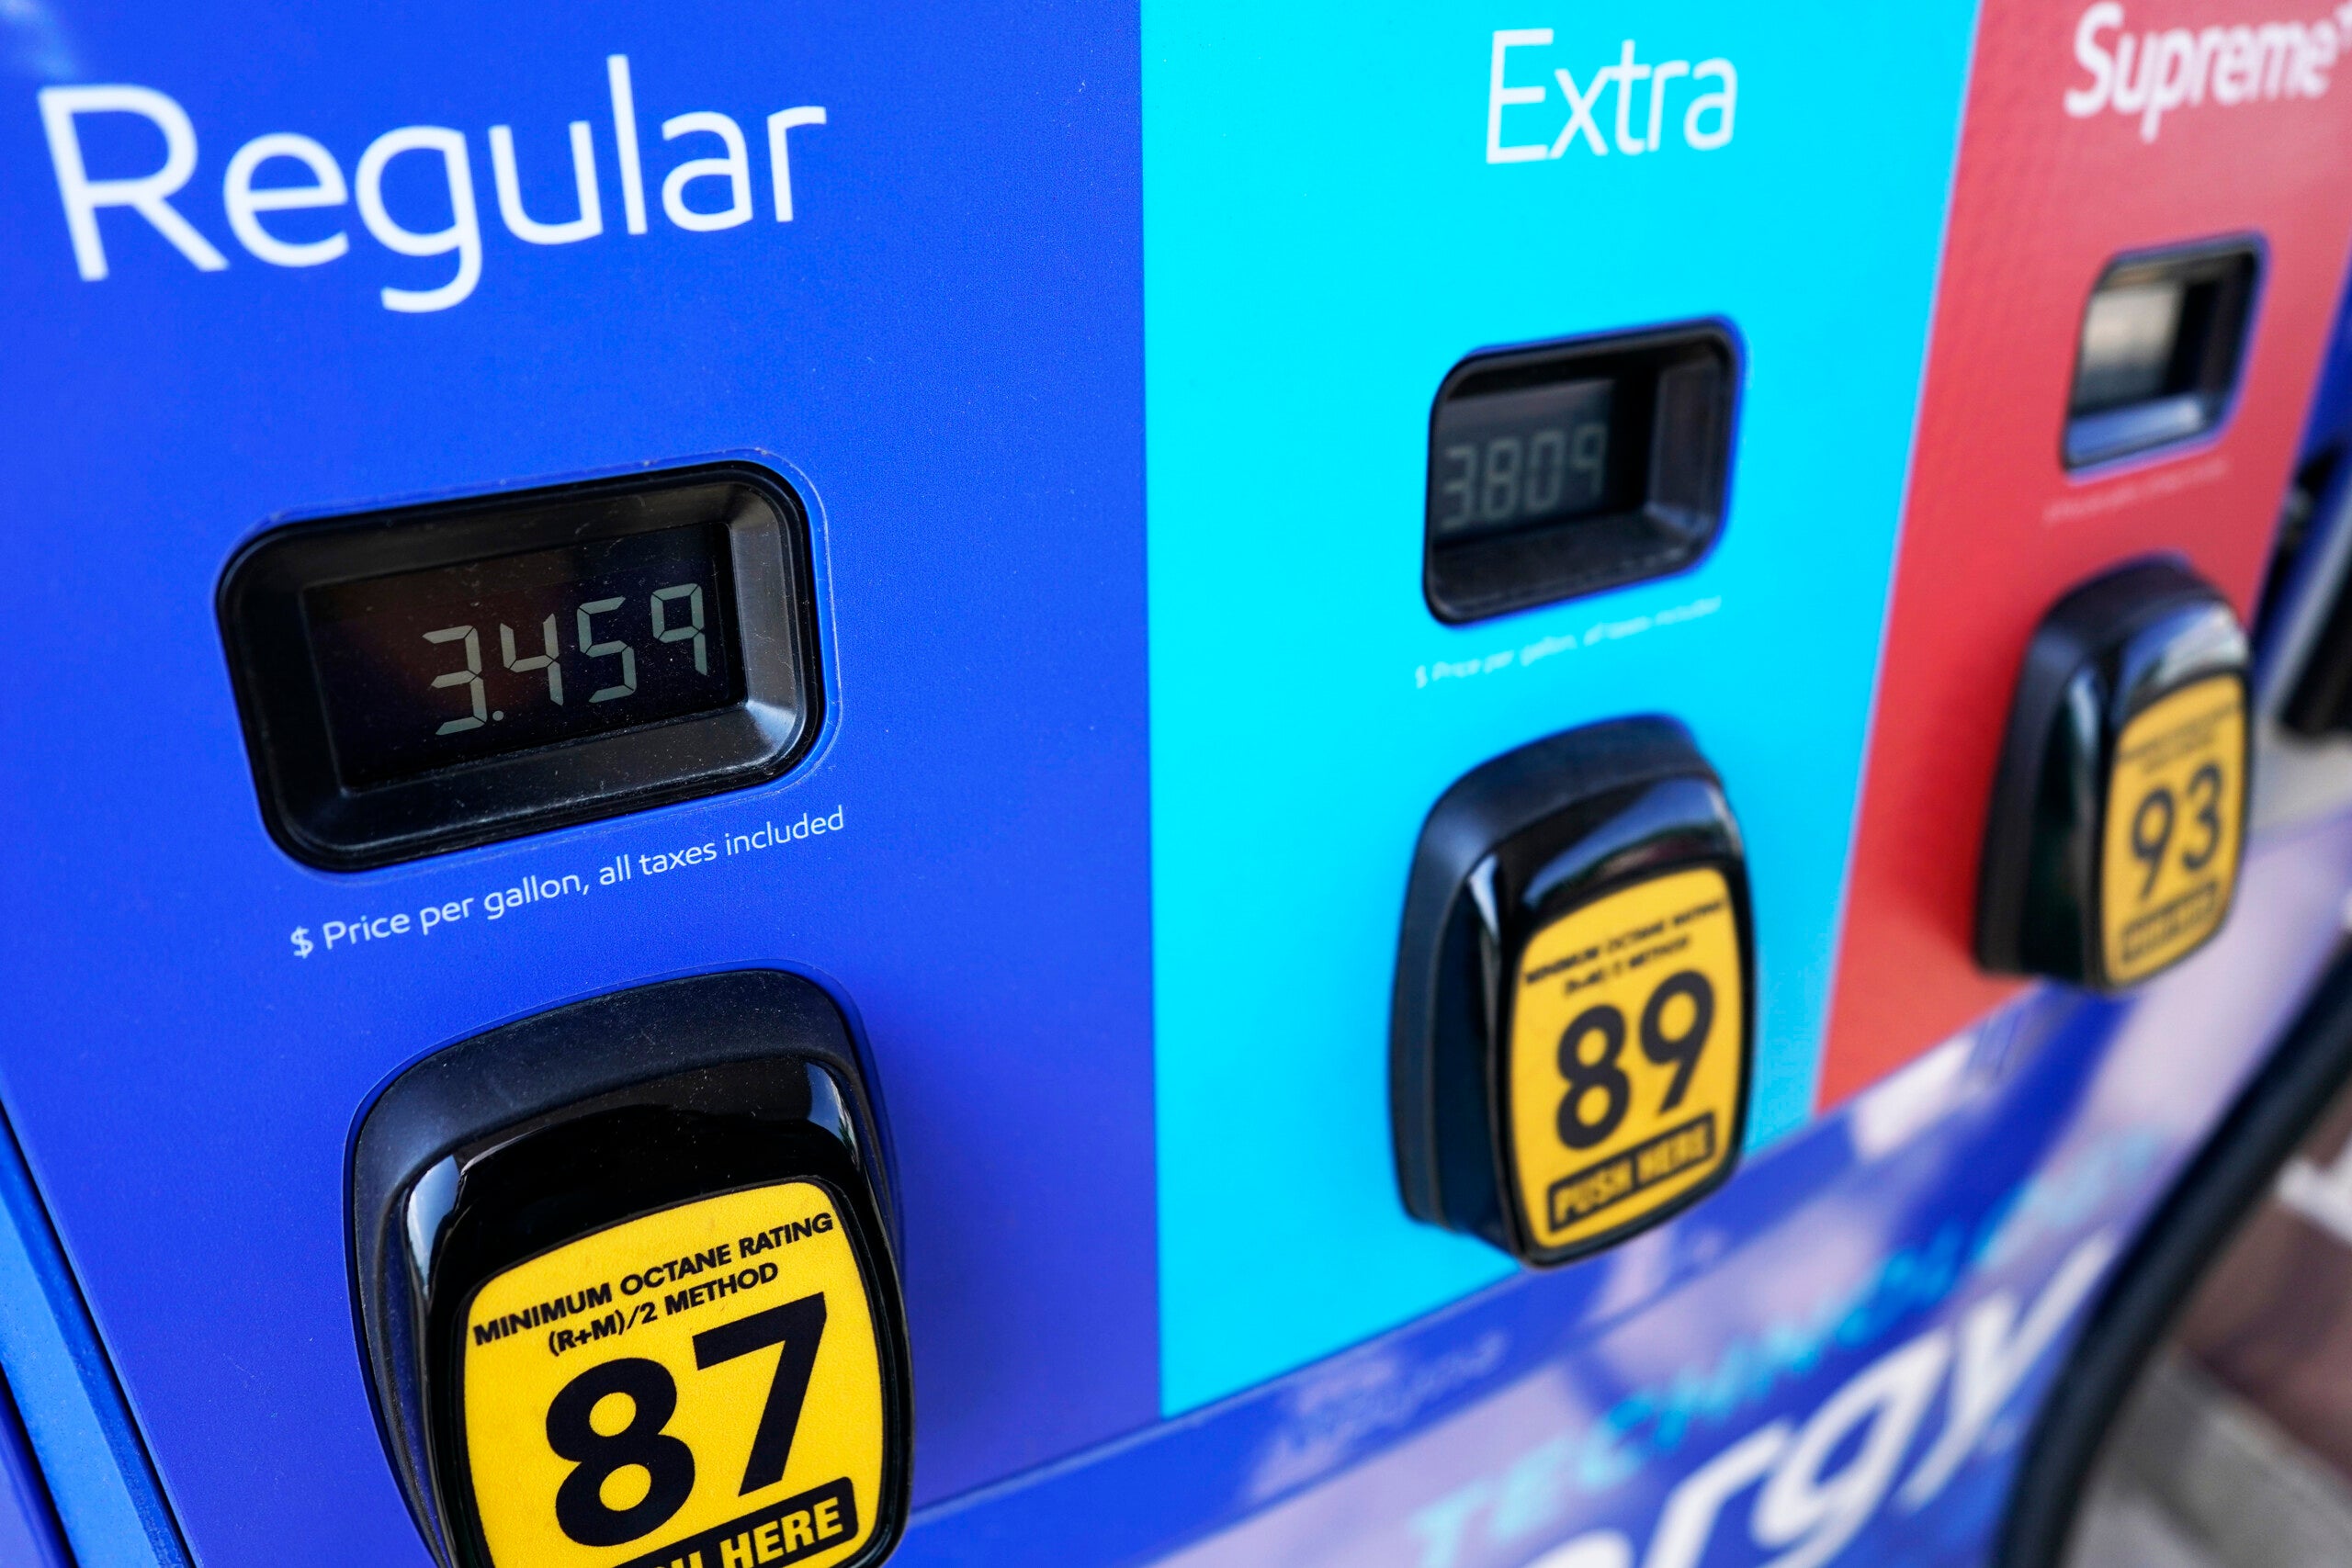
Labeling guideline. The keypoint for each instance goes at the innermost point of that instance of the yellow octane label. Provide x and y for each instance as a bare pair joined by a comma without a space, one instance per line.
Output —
1626,1057
699,1387
2169,851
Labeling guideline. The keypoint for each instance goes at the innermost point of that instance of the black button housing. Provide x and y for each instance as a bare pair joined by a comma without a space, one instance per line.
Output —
507,1146
2118,814
1541,840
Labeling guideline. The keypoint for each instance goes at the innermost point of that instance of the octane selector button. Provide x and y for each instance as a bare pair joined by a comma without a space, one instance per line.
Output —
2118,811
626,1288
1571,1037
744,1393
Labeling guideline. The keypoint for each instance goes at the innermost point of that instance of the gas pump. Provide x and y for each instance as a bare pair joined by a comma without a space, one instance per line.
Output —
1193,783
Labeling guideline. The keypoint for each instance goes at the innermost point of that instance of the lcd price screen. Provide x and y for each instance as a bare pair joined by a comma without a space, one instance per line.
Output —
2162,342
425,670
1507,460
2131,333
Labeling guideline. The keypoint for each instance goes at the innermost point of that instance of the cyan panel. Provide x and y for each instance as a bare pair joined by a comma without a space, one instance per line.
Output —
1327,227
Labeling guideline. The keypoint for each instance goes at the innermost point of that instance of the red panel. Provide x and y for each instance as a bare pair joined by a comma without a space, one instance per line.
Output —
1995,529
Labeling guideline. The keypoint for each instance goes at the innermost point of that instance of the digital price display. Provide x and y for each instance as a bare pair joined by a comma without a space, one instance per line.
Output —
1512,458
1571,1034
2162,343
419,680
2129,335
434,667
1577,466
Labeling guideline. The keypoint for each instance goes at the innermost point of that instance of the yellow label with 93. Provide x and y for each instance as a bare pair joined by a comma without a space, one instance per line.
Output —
1627,1052
697,1387
2175,799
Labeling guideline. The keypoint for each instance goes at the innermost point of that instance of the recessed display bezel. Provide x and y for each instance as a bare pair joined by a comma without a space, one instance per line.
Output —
1673,401
2217,284
320,818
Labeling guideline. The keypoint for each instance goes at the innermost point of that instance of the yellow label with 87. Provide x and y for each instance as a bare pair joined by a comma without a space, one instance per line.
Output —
705,1379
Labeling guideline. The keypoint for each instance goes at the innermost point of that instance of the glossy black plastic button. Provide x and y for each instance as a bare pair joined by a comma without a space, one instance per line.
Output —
1573,1021
2118,817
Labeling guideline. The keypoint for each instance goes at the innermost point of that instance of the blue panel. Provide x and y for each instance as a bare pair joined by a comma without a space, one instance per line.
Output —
58,1382
29,1532
941,349
1303,304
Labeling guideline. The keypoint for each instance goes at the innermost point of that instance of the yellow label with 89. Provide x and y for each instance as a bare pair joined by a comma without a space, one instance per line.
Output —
703,1380
2174,799
1627,1038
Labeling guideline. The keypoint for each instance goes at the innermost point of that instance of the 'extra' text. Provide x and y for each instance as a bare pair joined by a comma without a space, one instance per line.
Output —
1623,107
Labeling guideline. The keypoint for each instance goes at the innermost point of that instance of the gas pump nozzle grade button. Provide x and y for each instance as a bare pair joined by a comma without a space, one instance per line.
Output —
788,1370
645,1232
1572,1036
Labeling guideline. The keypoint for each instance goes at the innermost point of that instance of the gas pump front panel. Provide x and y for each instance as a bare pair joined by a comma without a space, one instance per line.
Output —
2136,296
525,514
885,278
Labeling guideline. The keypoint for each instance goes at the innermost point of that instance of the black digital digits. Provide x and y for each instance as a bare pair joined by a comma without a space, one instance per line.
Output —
1520,456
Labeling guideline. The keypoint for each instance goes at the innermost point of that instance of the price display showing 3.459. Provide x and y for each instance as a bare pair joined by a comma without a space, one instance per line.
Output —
2176,801
427,668
699,1385
1626,1057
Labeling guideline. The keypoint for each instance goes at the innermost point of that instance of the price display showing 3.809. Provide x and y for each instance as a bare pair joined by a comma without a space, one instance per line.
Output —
428,669
1504,460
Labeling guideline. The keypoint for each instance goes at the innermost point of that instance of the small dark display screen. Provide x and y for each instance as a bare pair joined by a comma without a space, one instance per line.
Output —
2131,340
1506,460
430,669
